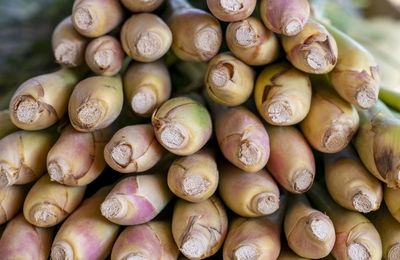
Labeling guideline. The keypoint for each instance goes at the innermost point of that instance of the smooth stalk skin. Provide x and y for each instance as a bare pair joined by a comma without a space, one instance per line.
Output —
139,6
95,103
182,125
359,190
22,240
7,126
76,159
283,94
68,45
392,201
23,156
229,81
390,97
389,230
199,229
242,138
309,232
356,236
285,17
11,201
231,10
248,194
195,177
287,254
147,86
251,42
314,50
152,241
133,148
43,100
86,234
291,161
255,238
197,35
93,18
104,55
331,122
356,74
145,37
377,144
137,199
49,203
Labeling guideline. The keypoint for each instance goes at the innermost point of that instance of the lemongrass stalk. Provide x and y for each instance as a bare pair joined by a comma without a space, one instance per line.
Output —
93,18
229,81
133,149
49,203
197,35
285,17
377,143
195,177
392,201
314,50
331,122
145,37
95,103
22,240
139,6
359,190
76,159
199,229
104,56
231,10
7,126
356,74
152,240
251,42
283,94
287,254
309,232
356,236
390,97
242,138
137,199
43,100
248,194
23,156
182,125
68,45
86,234
389,230
11,201
147,86
291,161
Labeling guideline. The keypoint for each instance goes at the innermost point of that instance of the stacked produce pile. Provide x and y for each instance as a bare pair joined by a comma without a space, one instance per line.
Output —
244,130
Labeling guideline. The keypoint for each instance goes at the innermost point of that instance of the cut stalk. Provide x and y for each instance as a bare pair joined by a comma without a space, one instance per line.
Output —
231,10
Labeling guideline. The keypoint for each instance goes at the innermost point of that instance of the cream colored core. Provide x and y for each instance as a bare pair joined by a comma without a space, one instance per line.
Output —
144,101
246,252
7,175
44,215
174,136
66,53
194,247
362,202
103,59
280,112
58,169
265,203
148,44
336,137
316,59
231,6
357,251
90,113
249,153
394,252
245,35
122,154
27,110
195,185
320,229
293,27
114,208
83,18
62,250
302,180
206,40
366,98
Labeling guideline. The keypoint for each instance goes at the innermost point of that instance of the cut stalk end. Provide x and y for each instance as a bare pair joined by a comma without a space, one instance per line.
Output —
195,185
362,202
7,175
84,18
62,251
293,27
26,109
336,137
206,41
103,59
302,180
194,246
357,251
174,136
245,35
249,153
366,98
280,111
319,228
316,59
122,154
58,169
148,44
90,113
66,53
265,203
394,252
221,74
44,214
231,6
114,208
144,101
246,252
